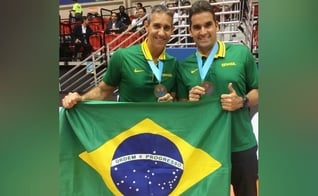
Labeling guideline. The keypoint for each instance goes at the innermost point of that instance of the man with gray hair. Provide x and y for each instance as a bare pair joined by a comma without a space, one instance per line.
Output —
143,72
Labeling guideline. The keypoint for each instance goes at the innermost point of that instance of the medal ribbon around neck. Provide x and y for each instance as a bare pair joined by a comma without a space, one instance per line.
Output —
203,70
157,71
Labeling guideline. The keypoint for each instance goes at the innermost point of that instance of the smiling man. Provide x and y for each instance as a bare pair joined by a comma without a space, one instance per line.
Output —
227,72
143,72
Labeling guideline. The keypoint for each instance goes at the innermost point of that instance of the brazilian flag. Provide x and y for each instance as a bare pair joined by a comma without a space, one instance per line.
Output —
145,149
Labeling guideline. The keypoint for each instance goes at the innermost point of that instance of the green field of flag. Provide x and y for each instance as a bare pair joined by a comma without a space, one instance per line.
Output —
177,148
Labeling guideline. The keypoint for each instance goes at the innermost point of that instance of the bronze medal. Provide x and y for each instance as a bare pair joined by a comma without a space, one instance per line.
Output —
208,86
160,90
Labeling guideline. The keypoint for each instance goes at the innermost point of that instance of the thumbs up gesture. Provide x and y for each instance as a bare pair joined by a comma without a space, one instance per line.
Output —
231,101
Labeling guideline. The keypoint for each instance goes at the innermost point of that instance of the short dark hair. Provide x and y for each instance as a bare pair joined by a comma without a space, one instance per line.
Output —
113,12
143,8
199,7
121,7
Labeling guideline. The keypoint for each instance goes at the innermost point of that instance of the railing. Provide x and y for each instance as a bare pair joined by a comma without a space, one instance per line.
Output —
228,15
125,39
85,74
249,19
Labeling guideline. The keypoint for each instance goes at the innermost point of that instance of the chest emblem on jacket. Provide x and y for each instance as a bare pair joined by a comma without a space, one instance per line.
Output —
228,64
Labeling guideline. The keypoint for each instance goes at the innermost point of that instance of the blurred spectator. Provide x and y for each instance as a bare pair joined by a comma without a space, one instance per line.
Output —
216,9
123,16
80,38
115,25
244,9
175,21
138,5
139,22
174,11
76,11
185,13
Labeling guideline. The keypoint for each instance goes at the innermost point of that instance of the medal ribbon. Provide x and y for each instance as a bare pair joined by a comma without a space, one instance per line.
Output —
203,70
157,71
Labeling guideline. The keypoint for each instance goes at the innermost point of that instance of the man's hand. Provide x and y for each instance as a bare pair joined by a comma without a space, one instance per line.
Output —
70,100
231,101
196,92
166,98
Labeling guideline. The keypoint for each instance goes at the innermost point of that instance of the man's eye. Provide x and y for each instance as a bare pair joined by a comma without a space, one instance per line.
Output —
156,26
196,27
167,28
208,25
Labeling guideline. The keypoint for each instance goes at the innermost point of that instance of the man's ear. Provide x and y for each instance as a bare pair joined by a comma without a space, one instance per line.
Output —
189,28
146,23
173,28
217,25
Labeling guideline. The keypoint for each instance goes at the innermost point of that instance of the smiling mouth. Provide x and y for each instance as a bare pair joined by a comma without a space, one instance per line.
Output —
204,40
161,40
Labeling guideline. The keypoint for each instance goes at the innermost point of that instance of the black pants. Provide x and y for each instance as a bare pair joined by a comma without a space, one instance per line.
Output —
244,172
87,49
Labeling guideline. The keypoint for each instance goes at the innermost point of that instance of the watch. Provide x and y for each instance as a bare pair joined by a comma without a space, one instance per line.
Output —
245,101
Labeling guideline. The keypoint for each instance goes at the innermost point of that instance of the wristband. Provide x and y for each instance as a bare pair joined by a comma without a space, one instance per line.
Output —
245,101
